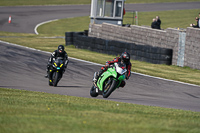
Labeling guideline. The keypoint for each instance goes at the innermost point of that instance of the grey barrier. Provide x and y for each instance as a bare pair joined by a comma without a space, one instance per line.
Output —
146,53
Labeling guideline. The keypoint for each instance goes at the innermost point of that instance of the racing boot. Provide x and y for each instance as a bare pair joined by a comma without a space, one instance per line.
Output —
47,69
50,83
95,78
46,76
97,75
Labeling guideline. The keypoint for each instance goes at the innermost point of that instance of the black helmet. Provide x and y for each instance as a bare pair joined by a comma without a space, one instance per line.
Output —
125,57
61,49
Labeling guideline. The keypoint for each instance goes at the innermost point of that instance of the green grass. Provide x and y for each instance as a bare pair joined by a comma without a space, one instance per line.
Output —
172,19
62,2
35,112
61,26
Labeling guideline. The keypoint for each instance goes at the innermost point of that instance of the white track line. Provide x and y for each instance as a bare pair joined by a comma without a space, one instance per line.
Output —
102,64
35,29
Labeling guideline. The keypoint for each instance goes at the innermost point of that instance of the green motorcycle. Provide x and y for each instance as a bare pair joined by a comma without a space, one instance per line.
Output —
109,80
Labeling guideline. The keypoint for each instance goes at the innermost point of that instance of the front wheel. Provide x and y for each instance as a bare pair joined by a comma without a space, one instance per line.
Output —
56,77
93,92
109,87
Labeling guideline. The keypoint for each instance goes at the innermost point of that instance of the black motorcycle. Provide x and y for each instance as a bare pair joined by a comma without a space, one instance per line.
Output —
56,71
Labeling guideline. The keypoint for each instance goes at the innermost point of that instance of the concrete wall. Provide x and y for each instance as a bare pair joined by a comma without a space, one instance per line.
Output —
192,48
168,38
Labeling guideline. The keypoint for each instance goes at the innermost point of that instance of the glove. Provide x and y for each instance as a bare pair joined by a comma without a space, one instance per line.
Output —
107,64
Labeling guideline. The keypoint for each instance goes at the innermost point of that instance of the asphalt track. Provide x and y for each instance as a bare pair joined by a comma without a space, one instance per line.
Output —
23,68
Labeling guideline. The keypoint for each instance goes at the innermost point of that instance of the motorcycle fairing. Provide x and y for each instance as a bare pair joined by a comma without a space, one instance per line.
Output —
109,73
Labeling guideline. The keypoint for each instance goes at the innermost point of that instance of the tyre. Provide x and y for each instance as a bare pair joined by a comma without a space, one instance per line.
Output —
109,87
69,40
69,34
165,51
85,32
55,78
93,92
68,43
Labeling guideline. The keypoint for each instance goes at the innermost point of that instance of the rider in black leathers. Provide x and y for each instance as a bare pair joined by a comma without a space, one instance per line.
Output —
60,52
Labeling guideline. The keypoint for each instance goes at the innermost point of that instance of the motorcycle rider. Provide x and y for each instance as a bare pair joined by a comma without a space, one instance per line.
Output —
124,58
60,52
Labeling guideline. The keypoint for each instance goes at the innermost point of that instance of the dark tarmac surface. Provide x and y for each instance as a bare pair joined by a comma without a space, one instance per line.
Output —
22,68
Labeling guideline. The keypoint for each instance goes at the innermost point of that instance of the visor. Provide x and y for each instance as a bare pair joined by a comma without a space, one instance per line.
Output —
60,51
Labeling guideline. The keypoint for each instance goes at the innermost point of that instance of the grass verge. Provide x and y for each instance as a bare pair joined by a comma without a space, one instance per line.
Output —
173,19
25,111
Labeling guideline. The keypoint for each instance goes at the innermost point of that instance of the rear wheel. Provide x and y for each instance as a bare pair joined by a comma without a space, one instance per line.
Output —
109,87
93,92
